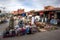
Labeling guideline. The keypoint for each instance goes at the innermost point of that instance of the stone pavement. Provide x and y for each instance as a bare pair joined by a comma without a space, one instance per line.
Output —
49,35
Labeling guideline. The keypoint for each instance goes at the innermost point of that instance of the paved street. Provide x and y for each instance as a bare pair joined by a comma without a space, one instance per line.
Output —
51,35
3,26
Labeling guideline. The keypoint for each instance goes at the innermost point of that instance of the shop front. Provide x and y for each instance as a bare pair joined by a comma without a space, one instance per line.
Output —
50,14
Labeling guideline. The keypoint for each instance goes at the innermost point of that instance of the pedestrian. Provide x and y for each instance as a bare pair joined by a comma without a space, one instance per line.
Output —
45,19
20,23
11,23
53,21
28,28
33,20
37,18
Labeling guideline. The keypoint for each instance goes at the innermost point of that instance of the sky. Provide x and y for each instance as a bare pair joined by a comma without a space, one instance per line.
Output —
28,5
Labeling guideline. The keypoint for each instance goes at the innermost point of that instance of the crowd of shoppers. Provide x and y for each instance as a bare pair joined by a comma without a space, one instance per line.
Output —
26,25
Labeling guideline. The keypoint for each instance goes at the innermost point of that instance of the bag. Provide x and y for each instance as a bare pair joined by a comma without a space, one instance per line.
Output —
28,30
34,30
6,34
12,33
22,31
